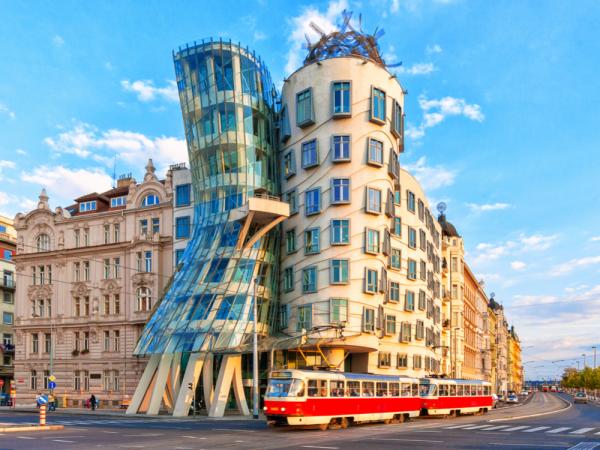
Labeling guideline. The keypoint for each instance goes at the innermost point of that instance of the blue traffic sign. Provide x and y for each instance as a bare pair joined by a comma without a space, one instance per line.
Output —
52,385
42,399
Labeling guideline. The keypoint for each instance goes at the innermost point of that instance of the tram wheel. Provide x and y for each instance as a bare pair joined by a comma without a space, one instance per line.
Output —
323,426
344,423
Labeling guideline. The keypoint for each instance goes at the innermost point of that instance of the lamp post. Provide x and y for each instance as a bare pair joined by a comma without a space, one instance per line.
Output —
584,361
594,348
254,355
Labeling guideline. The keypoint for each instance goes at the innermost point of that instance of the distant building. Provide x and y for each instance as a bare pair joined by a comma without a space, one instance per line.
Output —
8,240
515,367
90,275
183,209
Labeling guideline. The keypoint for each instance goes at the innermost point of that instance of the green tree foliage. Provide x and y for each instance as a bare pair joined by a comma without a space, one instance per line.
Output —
587,378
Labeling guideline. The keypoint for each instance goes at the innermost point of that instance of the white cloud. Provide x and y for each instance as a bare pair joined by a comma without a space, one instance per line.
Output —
259,35
67,183
431,177
395,6
435,112
6,164
486,252
569,266
488,206
431,49
301,27
537,241
518,265
595,239
20,151
108,65
85,140
416,69
58,41
6,110
146,91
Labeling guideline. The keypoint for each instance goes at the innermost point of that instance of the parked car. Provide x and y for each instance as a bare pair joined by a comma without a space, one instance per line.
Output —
512,398
525,393
494,401
580,397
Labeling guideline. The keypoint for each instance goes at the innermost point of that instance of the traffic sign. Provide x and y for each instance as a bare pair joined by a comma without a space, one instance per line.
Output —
51,378
42,399
51,385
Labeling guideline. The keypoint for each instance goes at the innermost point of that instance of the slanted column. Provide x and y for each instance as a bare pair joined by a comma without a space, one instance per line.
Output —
186,395
230,372
160,383
144,384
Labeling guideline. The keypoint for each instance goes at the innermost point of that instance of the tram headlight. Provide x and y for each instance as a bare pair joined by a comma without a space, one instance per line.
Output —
283,409
265,408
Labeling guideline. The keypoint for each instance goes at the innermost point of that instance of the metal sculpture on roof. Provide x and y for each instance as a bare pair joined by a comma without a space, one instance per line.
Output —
345,41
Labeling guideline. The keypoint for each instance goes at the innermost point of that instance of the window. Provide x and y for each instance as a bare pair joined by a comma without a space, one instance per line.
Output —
87,206
341,148
33,385
312,201
372,241
423,270
390,325
290,241
310,154
422,240
150,200
421,210
42,243
107,304
178,255
312,241
390,207
117,304
385,360
340,191
86,237
420,331
340,231
7,318
35,343
155,225
412,237
397,197
106,234
339,269
148,261
410,201
283,317
370,281
118,201
144,300
341,98
117,267
106,341
285,124
288,279
116,340
375,153
292,198
402,363
304,108
289,164
77,237
138,261
412,270
409,301
182,194
373,201
417,361
368,320
304,318
86,305
422,301
397,226
116,232
106,268
397,119
182,227
7,339
309,280
143,226
394,292
396,259
377,105
338,310
406,332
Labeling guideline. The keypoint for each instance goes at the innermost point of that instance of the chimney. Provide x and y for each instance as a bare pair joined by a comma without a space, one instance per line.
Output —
124,180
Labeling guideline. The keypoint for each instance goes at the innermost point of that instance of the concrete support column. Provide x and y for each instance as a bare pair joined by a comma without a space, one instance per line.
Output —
230,372
143,385
207,380
186,395
162,373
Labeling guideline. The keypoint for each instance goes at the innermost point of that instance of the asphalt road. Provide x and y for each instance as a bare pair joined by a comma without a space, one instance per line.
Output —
577,427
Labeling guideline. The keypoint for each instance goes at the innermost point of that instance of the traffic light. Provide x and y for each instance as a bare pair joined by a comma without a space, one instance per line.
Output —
190,386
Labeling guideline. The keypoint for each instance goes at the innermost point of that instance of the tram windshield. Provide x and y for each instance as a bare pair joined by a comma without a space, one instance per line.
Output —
285,388
427,390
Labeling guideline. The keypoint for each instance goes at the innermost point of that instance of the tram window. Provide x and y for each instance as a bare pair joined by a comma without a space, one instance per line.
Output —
415,390
368,387
460,390
443,390
382,389
452,390
394,389
406,389
353,388
336,388
487,390
480,390
473,391
317,388
467,389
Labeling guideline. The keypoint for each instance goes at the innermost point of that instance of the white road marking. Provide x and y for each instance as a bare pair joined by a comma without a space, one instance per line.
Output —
63,440
476,427
497,427
110,432
459,426
317,446
585,446
522,427
193,437
558,430
527,445
406,440
582,430
532,430
25,437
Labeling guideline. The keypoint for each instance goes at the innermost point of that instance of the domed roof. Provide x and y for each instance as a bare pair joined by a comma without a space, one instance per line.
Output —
447,228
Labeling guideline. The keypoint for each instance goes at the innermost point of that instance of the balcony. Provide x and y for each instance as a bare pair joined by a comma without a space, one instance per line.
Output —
7,283
7,348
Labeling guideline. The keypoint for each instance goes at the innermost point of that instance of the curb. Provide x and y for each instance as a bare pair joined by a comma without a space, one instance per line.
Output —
31,428
568,406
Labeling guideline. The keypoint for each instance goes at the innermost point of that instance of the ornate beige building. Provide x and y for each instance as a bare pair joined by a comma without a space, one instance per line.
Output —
8,239
89,276
361,265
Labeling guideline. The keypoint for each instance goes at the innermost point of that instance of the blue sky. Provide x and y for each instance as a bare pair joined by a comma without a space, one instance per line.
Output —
502,116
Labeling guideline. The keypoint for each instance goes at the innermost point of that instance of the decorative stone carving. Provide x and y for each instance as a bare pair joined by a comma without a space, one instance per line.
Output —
143,279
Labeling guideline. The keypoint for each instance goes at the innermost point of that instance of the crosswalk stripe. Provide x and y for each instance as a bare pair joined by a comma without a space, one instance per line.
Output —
531,430
497,427
459,426
582,430
475,427
558,430
522,427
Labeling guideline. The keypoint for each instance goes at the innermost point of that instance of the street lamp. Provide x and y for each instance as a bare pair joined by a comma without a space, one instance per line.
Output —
255,398
584,362
594,348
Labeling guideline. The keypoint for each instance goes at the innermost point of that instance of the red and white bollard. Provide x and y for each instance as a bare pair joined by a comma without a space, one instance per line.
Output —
42,415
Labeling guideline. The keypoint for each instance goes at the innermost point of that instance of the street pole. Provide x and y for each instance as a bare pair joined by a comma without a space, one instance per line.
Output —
254,355
594,347
584,361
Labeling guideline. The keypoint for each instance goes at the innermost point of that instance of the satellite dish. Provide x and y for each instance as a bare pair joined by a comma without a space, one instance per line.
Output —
441,207
492,295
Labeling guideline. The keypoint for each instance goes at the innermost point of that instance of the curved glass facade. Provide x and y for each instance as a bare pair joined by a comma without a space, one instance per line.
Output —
228,105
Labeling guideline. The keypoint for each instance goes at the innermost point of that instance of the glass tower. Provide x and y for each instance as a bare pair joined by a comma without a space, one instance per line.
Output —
228,103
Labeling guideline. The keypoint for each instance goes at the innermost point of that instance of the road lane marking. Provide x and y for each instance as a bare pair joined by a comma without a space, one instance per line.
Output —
582,430
522,427
459,426
585,446
406,440
193,437
527,445
558,430
110,432
532,430
317,446
476,427
63,440
497,427
25,437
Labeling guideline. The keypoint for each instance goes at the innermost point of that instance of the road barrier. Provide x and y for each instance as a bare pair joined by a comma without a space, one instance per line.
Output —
42,415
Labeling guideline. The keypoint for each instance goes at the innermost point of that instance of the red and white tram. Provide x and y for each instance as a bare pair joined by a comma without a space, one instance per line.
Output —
452,397
323,399
320,398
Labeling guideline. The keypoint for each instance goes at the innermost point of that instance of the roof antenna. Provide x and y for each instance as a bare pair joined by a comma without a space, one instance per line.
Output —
115,172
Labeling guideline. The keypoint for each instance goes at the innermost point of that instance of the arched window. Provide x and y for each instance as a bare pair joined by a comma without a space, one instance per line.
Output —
150,199
43,243
144,298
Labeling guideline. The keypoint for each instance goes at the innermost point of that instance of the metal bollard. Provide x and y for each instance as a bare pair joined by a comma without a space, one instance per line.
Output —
42,415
